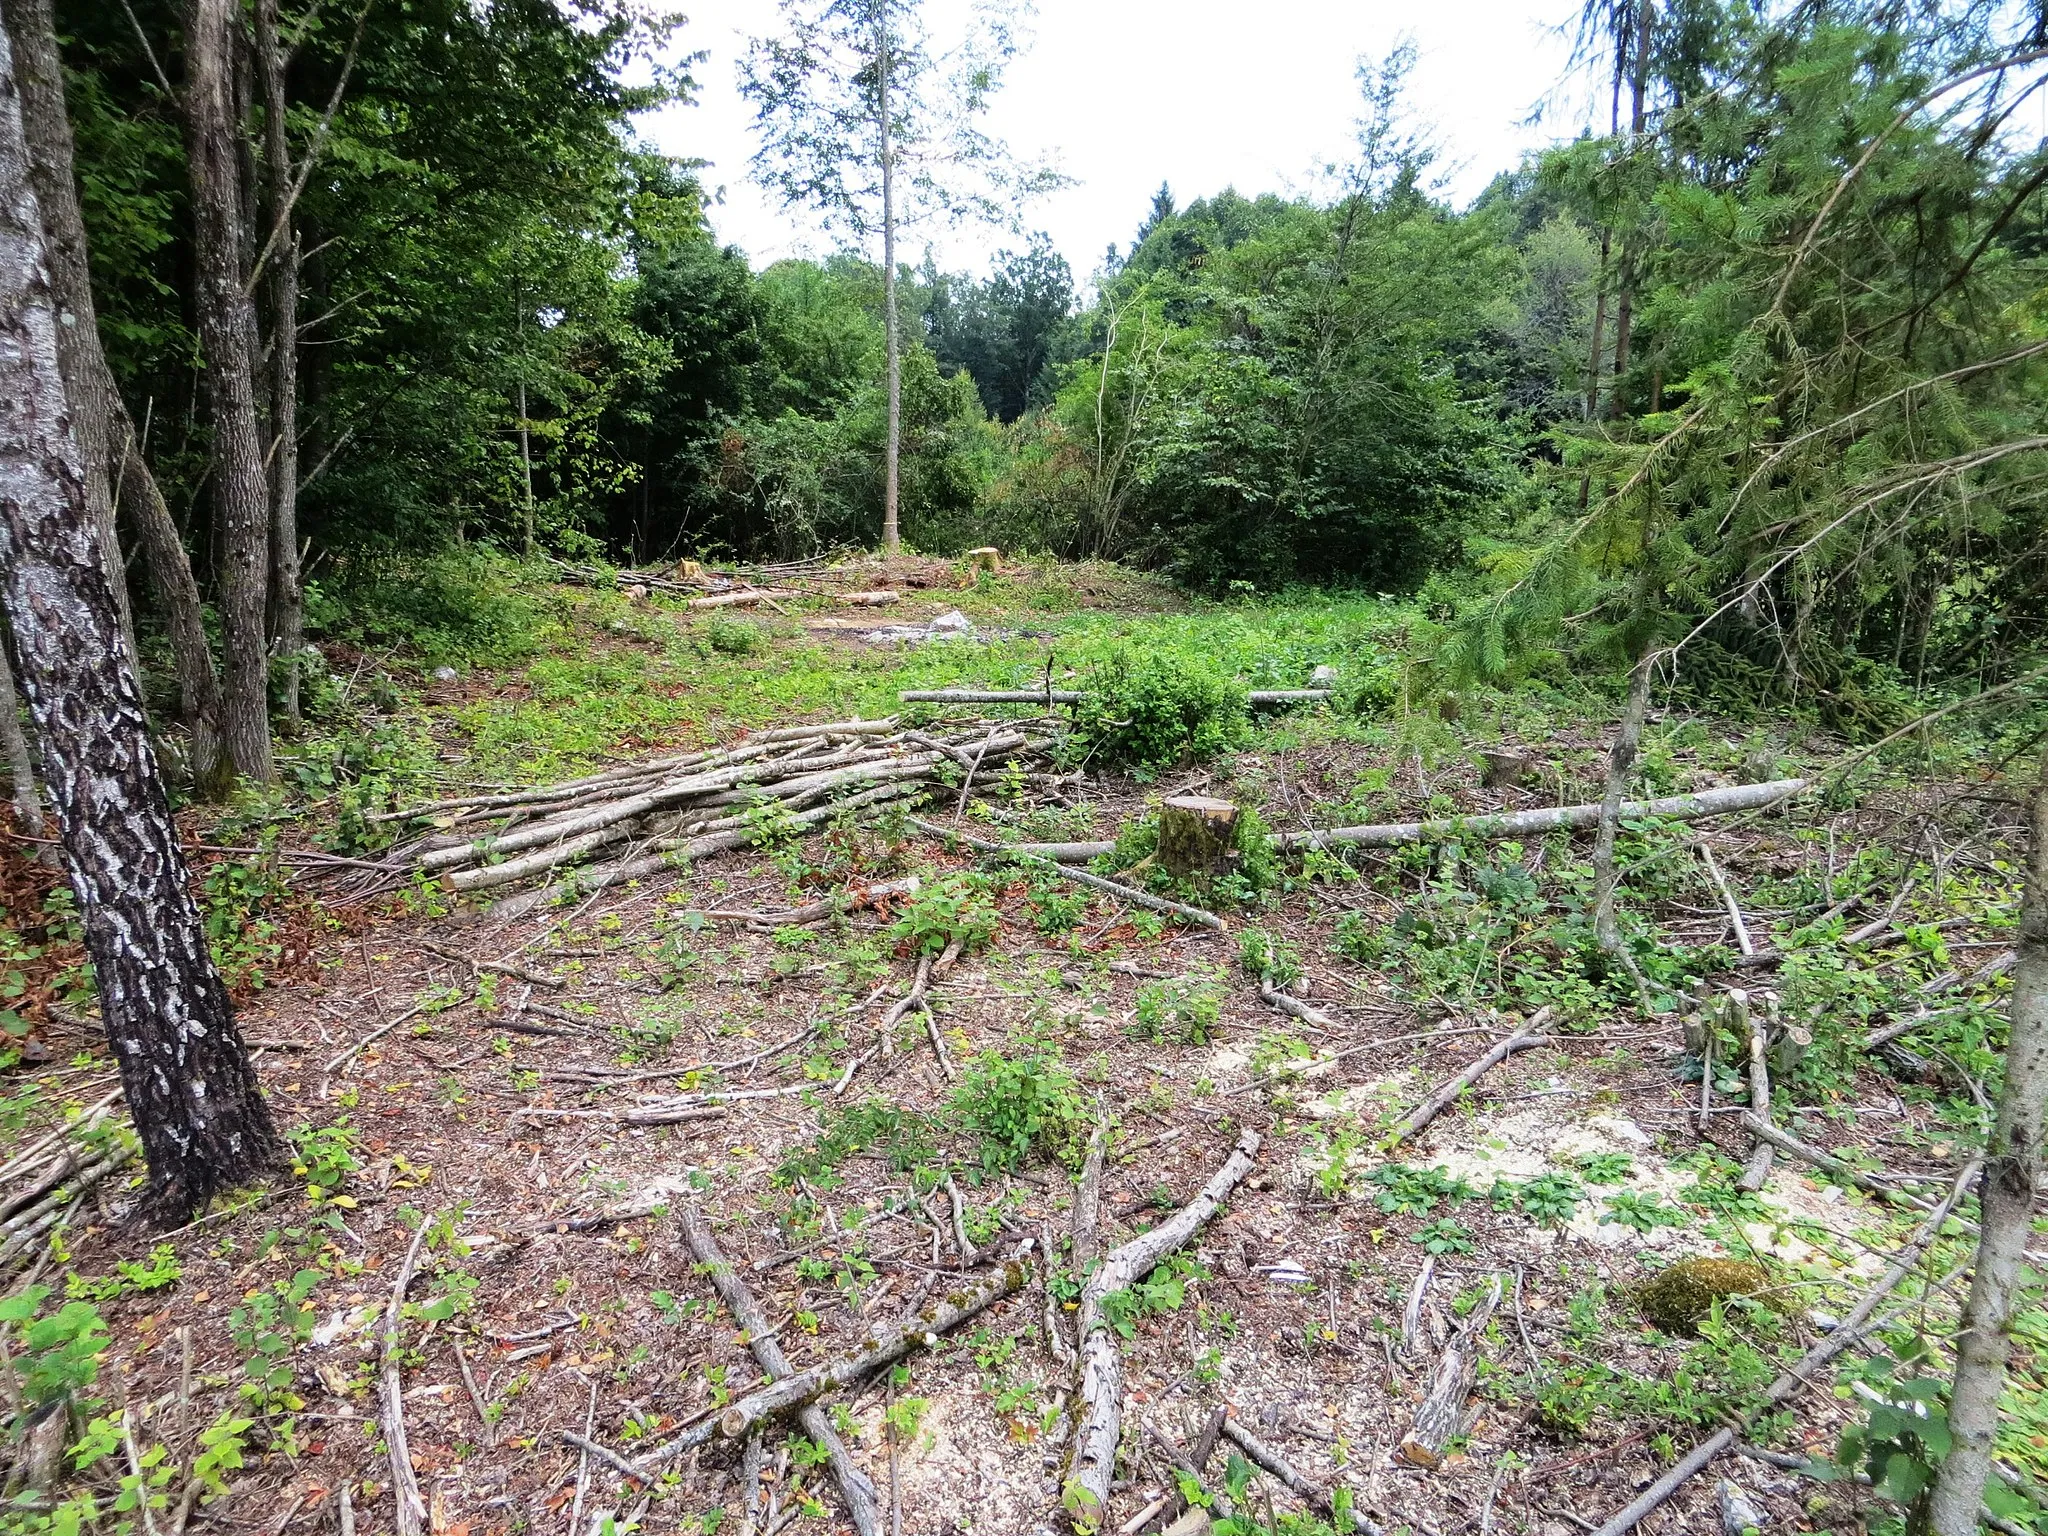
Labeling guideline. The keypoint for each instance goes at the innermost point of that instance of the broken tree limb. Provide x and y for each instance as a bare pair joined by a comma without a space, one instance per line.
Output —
1093,1461
1742,938
1528,1037
1440,1417
405,1487
1294,1007
1310,1492
739,599
1870,1184
1257,696
1134,896
854,1485
884,1346
1845,1336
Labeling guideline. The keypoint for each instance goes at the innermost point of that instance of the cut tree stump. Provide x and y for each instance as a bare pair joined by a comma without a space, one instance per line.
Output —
987,558
1197,838
1503,770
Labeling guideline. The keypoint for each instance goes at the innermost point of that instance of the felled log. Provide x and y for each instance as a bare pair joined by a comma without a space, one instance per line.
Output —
1255,698
1697,807
878,599
1441,1416
1758,1169
1486,826
1093,1459
1197,838
1531,1035
854,1485
738,599
1135,897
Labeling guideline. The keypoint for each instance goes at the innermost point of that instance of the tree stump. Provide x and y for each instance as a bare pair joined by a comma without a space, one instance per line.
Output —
1197,838
1502,770
987,558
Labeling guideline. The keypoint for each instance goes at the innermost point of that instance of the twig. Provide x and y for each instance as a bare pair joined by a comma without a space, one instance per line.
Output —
1266,1458
476,1398
1742,937
1080,877
1758,1170
583,1462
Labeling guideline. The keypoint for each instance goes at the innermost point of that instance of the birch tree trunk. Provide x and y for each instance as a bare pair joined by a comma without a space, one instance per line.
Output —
21,761
287,598
2012,1185
189,1084
39,73
47,127
892,539
227,332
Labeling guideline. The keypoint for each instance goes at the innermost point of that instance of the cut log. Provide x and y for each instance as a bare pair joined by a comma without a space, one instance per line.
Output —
738,599
1085,1494
877,599
1441,1417
1698,807
1198,838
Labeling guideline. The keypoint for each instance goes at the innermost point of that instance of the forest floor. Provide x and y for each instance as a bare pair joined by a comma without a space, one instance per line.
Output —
506,1059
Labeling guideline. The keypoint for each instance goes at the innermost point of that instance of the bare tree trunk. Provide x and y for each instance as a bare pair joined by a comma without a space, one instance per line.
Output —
287,598
1599,357
47,127
190,1087
39,72
2012,1185
1624,310
21,761
892,538
227,331
1627,740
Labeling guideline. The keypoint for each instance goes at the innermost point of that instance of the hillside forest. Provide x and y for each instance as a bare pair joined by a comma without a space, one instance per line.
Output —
1379,866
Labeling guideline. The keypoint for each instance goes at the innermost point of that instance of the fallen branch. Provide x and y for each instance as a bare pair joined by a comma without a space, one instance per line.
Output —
854,1484
1256,697
739,599
1310,1492
1758,1170
405,1487
1742,938
1440,1418
1093,1460
1294,1007
1530,1036
1763,1130
883,1347
1080,877
1846,1334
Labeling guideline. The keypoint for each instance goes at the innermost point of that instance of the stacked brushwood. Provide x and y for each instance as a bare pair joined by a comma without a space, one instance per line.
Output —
634,821
46,1183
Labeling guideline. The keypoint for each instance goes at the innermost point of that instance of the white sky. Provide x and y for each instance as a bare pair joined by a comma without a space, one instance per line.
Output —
1202,94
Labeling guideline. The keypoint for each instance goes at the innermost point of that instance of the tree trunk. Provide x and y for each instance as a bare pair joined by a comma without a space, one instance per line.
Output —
1598,359
892,539
1624,309
21,762
1197,838
1620,760
39,73
47,128
189,1084
227,332
287,599
2012,1184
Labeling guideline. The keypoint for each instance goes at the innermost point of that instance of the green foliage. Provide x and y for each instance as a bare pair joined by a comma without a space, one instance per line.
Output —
1400,1189
1549,1198
1444,1236
159,1271
1177,1010
324,1156
903,1138
56,1355
1150,711
1272,961
1164,1290
955,908
1018,1106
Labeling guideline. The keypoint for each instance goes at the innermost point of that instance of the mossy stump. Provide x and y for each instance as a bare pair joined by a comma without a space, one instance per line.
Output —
1677,1300
1197,839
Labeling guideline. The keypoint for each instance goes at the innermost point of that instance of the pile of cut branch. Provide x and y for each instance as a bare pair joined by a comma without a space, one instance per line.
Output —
635,821
47,1182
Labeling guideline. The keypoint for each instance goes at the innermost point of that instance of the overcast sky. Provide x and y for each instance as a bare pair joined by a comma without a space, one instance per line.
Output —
1201,94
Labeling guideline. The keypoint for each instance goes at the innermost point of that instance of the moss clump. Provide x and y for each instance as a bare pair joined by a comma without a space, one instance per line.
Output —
1678,1299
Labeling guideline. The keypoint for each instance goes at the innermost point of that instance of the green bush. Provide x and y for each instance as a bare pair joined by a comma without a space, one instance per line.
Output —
1015,1106
1177,1010
458,607
1153,711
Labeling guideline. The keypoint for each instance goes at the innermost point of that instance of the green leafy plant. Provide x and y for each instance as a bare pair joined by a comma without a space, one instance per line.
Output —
324,1156
1018,1105
1271,960
953,909
1177,1010
1151,710
1444,1236
1402,1190
160,1270
1640,1213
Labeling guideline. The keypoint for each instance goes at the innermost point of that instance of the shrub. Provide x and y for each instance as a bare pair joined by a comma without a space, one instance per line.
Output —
1177,1010
1015,1106
954,908
1153,711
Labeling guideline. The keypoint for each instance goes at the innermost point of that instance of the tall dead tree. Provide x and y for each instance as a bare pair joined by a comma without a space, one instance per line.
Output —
189,1084
46,126
222,253
2012,1186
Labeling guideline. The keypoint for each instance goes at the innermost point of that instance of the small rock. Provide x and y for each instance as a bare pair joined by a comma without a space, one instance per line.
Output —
1738,1512
445,674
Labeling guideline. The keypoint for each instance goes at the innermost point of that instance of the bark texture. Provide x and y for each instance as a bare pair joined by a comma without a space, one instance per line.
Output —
281,286
892,537
190,1088
39,72
21,762
2012,1185
47,127
227,332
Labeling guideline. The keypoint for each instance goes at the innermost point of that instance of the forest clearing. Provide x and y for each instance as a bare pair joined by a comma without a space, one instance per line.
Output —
1368,854
886,1074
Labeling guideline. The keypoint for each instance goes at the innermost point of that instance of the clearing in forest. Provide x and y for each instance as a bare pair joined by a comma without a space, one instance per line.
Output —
1369,1196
